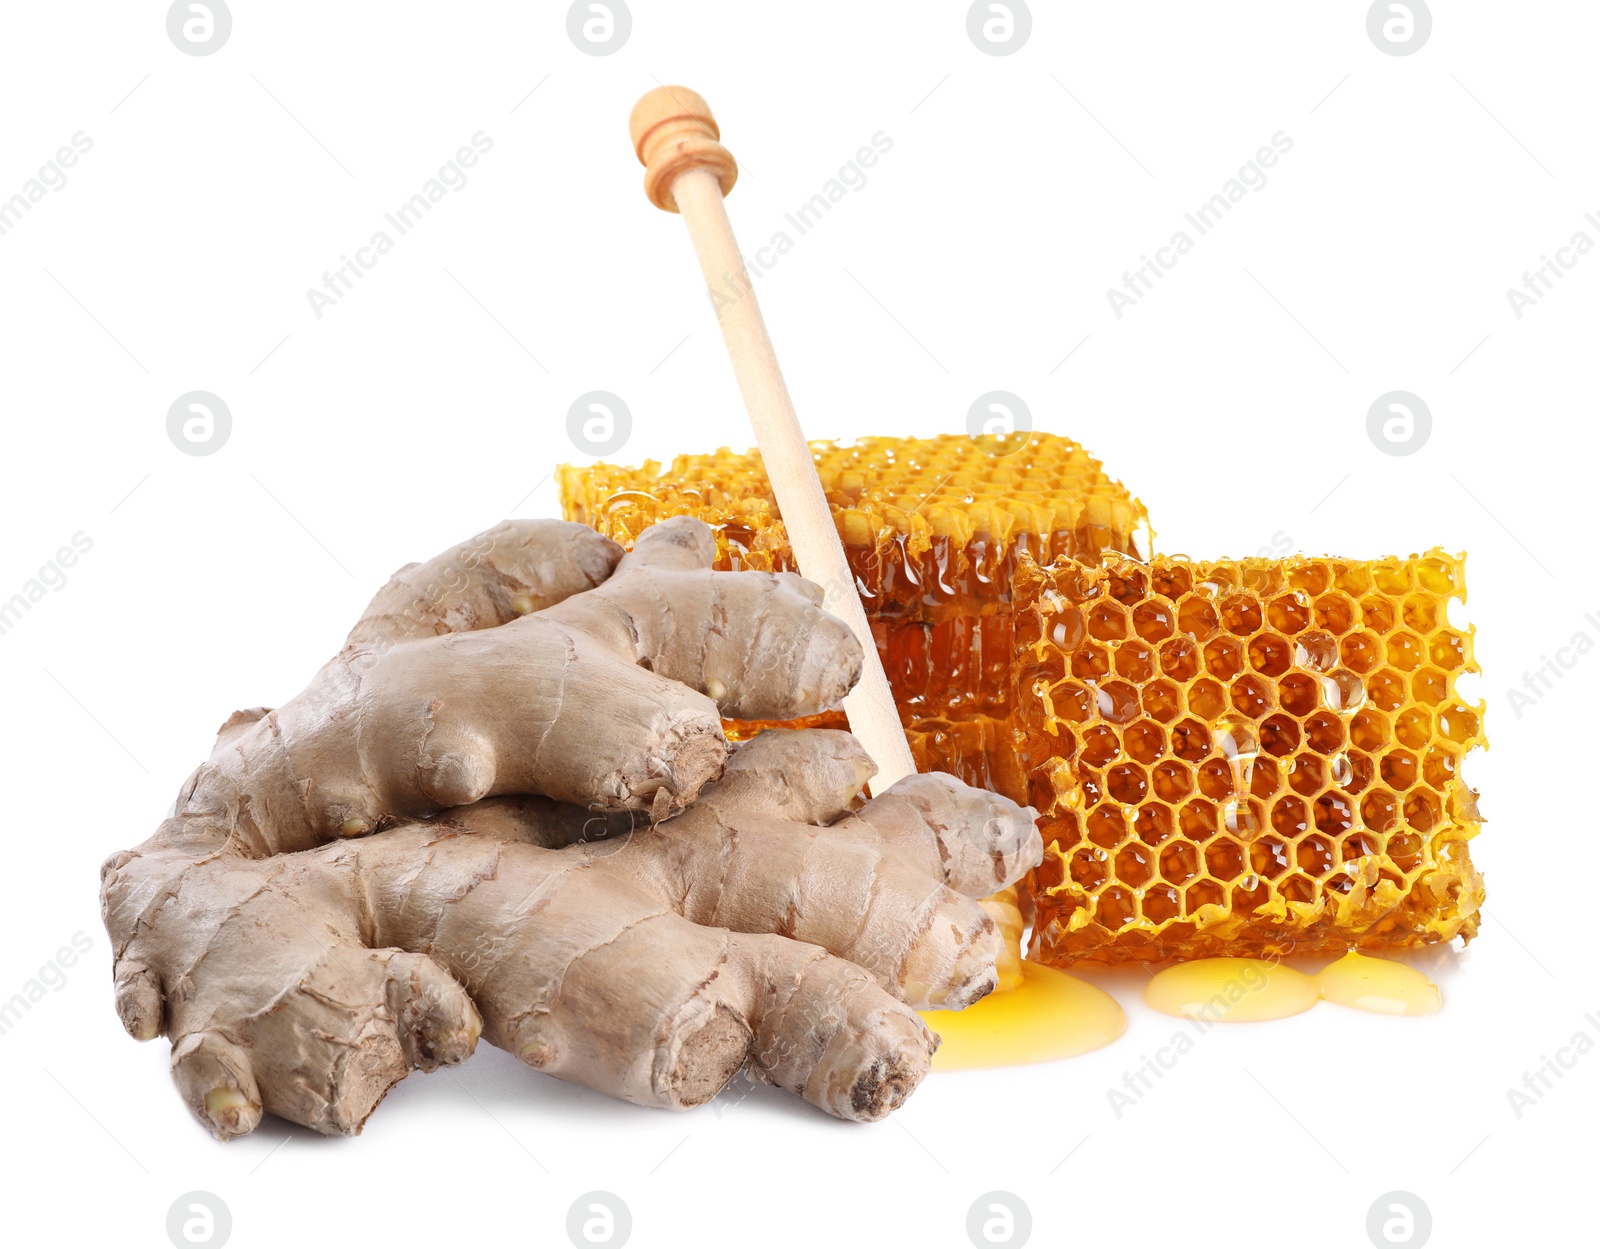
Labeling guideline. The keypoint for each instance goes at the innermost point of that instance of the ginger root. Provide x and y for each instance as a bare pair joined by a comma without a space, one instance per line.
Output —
507,808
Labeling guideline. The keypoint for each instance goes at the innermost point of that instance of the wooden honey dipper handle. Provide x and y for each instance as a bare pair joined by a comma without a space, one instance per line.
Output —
688,171
673,131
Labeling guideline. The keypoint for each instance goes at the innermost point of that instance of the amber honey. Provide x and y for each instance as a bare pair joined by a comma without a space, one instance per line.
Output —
1247,757
1230,758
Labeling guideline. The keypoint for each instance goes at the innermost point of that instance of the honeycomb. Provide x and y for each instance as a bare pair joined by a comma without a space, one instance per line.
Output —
931,526
1244,757
1236,757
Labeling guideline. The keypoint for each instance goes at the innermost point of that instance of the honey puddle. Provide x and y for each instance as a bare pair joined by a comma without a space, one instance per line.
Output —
1245,990
1052,1015
1239,990
1378,985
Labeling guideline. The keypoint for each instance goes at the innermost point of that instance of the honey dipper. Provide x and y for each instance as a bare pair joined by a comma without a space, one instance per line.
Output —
688,171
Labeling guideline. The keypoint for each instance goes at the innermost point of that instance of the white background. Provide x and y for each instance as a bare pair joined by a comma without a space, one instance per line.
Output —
1233,399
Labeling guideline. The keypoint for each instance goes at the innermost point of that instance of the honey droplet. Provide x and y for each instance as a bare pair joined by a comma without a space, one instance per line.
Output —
1343,692
1231,990
1052,1015
1241,820
1235,739
1379,985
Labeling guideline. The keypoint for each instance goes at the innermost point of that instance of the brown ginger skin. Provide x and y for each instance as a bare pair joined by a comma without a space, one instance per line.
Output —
465,696
303,963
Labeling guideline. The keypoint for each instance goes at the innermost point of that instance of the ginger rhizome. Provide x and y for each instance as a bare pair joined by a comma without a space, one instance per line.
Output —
507,808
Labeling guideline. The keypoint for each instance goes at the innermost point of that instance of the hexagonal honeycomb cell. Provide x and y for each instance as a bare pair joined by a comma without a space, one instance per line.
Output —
1330,813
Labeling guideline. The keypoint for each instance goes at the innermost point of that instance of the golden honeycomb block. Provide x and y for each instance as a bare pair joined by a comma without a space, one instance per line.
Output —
931,526
981,750
1230,758
1247,756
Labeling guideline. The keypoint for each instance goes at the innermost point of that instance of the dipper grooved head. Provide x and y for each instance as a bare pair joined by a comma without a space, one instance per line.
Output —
673,131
